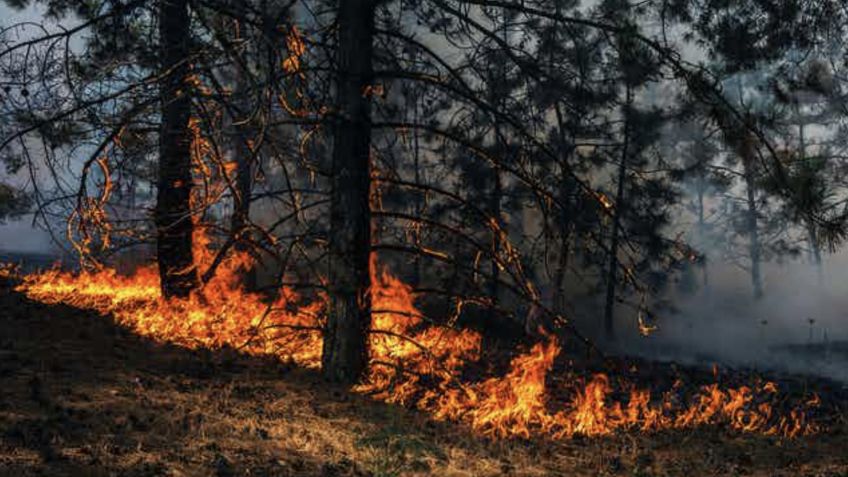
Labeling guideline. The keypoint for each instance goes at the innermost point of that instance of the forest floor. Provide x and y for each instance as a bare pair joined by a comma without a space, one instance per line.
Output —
80,396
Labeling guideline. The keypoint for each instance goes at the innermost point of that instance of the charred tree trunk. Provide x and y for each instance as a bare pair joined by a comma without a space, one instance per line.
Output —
564,252
418,203
240,222
494,326
495,211
612,265
244,157
566,189
345,352
172,215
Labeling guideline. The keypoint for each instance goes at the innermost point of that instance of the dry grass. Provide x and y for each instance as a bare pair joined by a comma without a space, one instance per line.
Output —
81,397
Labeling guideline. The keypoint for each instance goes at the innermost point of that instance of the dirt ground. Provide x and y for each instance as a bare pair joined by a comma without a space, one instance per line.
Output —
80,396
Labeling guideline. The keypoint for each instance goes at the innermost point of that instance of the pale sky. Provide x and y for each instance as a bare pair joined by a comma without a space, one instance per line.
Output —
20,236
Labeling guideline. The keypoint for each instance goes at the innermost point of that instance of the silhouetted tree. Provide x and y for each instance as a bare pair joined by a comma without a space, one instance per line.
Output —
173,212
345,352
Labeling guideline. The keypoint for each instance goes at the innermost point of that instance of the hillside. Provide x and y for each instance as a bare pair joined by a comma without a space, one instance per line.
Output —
81,396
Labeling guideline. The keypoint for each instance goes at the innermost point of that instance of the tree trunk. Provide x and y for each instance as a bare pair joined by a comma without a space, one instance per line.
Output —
172,215
240,222
812,236
562,265
495,211
702,231
244,157
815,249
751,219
612,266
494,326
345,352
418,203
565,191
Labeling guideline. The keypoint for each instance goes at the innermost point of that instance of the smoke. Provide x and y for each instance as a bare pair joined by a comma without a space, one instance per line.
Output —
798,327
20,236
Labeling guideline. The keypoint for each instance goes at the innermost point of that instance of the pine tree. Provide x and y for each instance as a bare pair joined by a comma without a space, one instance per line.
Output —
345,352
173,213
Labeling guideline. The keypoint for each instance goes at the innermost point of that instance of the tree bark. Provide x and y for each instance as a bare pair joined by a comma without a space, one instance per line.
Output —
494,326
345,351
495,210
566,189
418,203
564,252
244,157
172,215
612,266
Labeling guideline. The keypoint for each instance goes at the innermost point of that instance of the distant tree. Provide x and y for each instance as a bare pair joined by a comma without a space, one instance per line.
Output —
13,202
693,138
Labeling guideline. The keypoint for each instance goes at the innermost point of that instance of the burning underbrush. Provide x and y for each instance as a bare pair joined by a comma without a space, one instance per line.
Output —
421,365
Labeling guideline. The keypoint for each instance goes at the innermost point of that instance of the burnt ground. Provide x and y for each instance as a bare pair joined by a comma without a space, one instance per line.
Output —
80,396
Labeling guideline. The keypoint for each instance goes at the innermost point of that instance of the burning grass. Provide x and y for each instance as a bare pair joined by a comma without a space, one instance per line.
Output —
420,365
82,396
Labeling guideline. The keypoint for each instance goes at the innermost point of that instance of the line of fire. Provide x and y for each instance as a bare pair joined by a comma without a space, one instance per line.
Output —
423,237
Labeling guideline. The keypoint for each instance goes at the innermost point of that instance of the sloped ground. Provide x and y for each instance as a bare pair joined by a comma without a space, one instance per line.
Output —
82,397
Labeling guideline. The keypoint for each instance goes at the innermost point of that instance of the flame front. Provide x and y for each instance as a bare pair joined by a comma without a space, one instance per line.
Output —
414,363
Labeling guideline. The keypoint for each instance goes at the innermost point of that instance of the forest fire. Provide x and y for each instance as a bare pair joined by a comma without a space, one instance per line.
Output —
423,238
419,365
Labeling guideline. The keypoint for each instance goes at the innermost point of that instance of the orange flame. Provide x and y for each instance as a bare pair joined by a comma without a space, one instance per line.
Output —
415,363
